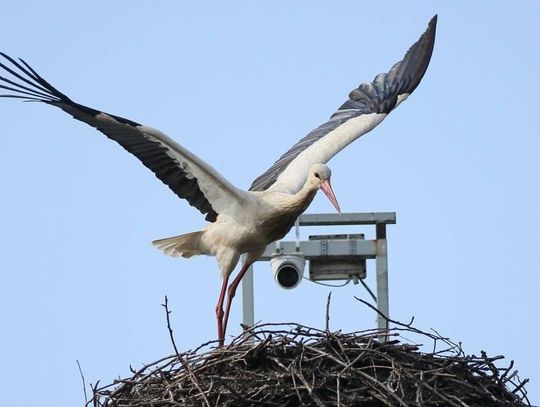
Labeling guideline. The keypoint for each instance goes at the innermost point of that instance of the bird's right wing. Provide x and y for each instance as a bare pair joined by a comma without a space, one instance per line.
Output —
183,172
366,107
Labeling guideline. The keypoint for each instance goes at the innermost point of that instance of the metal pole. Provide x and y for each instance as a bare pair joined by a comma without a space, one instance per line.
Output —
382,277
247,298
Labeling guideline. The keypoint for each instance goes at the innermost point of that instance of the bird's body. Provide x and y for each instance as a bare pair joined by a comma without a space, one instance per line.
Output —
241,222
261,218
256,219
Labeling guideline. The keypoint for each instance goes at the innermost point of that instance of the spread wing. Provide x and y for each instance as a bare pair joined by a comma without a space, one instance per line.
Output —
184,173
366,107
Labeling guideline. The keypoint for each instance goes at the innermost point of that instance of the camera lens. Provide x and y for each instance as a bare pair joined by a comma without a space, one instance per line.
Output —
287,276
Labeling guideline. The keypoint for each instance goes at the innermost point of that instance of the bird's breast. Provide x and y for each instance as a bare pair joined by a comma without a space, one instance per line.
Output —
276,227
275,224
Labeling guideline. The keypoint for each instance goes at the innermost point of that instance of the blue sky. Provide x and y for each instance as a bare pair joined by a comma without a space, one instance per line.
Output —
238,84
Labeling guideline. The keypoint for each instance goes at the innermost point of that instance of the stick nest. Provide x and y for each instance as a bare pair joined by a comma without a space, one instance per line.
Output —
294,365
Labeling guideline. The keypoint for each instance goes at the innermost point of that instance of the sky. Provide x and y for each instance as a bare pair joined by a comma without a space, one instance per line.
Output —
238,83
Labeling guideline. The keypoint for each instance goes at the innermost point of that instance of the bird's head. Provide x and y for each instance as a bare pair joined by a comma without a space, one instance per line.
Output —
319,177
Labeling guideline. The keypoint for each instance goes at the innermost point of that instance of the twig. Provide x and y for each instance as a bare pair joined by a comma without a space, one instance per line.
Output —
385,316
168,313
327,325
180,358
83,382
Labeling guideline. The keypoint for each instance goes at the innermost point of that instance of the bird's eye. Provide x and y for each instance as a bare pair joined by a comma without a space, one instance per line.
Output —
317,175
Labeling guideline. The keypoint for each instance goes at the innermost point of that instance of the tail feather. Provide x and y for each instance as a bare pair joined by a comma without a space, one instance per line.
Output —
181,246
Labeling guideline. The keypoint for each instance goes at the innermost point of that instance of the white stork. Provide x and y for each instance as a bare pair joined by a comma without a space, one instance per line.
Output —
241,222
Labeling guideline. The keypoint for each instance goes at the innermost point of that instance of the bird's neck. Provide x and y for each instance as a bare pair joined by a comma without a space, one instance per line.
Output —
303,198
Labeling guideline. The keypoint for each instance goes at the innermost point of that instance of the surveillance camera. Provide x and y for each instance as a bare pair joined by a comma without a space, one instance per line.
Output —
288,269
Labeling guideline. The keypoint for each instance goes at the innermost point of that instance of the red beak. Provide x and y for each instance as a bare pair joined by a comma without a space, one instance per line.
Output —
327,189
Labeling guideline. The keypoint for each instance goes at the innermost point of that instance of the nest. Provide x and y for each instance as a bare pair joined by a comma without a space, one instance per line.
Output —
294,365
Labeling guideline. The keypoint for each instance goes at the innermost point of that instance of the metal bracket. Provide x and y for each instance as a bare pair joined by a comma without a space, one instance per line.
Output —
323,247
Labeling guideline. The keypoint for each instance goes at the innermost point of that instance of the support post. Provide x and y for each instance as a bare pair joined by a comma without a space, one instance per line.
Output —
247,298
382,277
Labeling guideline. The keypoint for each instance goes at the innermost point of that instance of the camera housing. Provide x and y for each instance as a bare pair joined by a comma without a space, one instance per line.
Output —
288,269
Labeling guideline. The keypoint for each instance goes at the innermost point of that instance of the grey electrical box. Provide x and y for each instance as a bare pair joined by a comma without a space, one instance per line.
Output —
343,266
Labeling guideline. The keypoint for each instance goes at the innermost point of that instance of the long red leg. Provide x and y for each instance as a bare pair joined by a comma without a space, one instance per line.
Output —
219,311
231,293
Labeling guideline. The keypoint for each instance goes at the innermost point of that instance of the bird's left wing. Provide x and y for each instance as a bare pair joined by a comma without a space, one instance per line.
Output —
367,106
183,172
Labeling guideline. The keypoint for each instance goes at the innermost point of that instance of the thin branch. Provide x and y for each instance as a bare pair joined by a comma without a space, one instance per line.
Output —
83,382
385,316
186,366
168,313
327,325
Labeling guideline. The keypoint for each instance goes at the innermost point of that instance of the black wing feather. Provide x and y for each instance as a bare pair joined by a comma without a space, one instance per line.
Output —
125,132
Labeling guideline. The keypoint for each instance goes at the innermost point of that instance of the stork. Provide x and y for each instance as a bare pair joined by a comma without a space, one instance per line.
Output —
240,222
